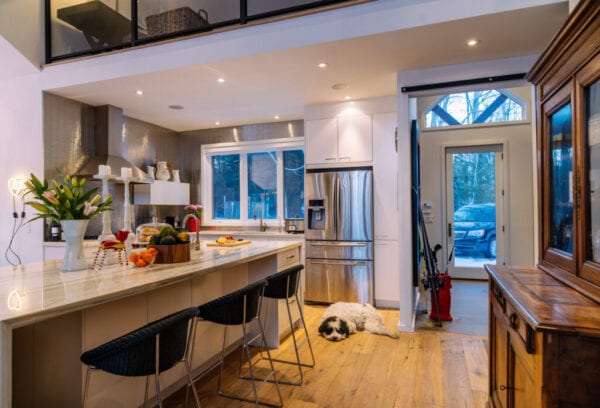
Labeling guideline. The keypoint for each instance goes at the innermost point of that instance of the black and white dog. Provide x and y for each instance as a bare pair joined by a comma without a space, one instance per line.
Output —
342,319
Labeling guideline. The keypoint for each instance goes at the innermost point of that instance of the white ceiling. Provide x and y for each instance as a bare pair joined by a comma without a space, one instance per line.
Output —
281,83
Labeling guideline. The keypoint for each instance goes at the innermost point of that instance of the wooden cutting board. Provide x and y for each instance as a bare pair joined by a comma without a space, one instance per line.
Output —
228,244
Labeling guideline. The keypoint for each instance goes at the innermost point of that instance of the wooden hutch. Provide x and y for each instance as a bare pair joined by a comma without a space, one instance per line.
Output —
545,321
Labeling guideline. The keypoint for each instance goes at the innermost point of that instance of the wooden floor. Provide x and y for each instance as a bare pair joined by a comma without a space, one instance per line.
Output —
421,369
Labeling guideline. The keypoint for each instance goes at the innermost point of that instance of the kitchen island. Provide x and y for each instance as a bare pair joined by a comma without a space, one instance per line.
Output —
49,317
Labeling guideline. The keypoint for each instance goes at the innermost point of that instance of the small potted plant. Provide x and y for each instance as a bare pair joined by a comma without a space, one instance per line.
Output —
195,209
68,204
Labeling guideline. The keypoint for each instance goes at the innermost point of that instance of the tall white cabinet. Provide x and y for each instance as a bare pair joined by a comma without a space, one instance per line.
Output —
385,209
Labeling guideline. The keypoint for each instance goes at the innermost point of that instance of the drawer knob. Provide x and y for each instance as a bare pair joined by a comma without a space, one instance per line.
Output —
505,387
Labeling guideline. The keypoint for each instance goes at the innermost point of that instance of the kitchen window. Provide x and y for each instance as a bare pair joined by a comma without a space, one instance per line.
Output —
244,181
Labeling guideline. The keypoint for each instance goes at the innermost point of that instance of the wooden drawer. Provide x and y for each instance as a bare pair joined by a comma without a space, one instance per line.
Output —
520,326
288,258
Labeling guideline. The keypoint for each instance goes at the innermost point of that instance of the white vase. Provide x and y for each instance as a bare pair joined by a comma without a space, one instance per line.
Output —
74,259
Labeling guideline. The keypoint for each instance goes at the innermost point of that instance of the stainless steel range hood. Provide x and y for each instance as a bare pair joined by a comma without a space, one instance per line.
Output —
108,143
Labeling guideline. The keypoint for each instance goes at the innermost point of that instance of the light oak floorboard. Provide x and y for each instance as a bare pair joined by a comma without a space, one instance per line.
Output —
421,369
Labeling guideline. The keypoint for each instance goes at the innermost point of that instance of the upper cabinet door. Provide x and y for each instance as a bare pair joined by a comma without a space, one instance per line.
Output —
560,185
355,138
320,138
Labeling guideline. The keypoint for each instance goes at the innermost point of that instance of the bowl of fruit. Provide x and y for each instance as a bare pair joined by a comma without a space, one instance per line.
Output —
171,246
143,258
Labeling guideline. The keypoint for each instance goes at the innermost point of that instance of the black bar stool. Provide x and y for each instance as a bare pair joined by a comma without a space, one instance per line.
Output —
285,285
151,349
240,308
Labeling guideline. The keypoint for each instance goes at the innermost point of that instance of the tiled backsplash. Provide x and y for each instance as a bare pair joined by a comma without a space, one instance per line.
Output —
69,141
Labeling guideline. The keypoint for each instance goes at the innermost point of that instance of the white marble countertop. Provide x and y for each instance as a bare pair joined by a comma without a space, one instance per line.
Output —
254,233
37,291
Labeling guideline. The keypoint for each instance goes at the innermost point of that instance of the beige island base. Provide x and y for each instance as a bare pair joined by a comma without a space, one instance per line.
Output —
50,317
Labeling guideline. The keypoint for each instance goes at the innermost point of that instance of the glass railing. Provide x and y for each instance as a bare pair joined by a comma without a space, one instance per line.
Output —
76,28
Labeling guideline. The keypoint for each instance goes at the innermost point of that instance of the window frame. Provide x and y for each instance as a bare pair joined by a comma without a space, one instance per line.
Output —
243,148
505,91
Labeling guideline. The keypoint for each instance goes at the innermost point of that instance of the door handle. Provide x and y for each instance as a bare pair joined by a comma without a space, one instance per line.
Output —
449,230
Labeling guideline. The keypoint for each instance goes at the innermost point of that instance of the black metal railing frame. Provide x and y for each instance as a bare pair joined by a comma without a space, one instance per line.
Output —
243,19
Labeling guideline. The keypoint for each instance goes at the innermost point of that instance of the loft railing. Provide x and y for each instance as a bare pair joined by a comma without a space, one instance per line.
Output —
77,28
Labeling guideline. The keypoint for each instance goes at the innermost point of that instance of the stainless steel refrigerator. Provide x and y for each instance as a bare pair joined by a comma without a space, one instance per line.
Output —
339,235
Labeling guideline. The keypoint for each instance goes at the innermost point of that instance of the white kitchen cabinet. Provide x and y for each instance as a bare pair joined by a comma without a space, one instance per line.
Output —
387,274
162,193
339,140
355,138
320,137
385,176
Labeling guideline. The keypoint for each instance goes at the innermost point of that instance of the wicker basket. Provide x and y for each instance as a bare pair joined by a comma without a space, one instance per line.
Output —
180,19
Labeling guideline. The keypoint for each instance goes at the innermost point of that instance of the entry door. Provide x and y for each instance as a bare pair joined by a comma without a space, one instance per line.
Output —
474,209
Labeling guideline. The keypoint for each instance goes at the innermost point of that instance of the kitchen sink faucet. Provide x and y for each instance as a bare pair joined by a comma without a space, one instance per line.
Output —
183,225
262,225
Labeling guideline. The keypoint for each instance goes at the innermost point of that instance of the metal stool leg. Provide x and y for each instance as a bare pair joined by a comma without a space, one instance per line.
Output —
87,385
246,351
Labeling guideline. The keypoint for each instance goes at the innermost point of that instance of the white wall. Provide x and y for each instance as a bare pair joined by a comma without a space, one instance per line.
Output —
21,153
519,186
22,24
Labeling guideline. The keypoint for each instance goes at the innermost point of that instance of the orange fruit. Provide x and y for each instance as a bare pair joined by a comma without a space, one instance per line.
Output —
141,263
151,249
147,256
133,257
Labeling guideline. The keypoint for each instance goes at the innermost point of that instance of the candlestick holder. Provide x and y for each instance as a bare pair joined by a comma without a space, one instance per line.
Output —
106,229
127,219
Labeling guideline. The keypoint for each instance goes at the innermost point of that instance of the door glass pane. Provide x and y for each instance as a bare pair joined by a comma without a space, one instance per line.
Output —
226,186
561,176
475,208
293,183
593,166
262,185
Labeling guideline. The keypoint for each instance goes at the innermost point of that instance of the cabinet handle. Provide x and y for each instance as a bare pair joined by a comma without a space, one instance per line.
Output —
329,158
505,387
345,158
290,256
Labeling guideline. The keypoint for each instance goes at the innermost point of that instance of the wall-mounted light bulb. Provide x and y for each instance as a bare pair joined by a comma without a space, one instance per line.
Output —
17,187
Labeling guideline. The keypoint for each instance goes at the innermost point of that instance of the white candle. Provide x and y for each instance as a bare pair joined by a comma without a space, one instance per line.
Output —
107,170
126,172
102,170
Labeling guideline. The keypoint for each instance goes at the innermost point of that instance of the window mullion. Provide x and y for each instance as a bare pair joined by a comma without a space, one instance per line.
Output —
244,187
280,187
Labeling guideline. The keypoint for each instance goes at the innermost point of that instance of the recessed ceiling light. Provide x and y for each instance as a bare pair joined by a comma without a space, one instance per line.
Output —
472,42
139,92
339,86
221,80
276,117
176,107
322,65
347,97
217,123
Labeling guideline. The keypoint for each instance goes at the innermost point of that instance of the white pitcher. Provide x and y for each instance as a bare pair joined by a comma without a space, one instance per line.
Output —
162,171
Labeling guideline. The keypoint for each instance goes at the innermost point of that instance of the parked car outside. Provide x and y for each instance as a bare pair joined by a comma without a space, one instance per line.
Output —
475,230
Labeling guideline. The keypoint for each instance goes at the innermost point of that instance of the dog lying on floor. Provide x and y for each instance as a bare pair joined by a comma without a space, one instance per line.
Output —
342,319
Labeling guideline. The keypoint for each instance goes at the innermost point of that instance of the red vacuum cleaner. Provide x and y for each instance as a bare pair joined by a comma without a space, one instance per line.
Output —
438,283
443,298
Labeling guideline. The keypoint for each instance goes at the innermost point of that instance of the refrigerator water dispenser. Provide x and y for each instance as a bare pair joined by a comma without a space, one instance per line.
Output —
316,214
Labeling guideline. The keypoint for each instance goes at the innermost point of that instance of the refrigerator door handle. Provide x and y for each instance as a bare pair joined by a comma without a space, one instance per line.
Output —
343,263
339,244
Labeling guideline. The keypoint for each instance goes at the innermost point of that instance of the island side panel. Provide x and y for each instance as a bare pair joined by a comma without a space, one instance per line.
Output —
46,363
